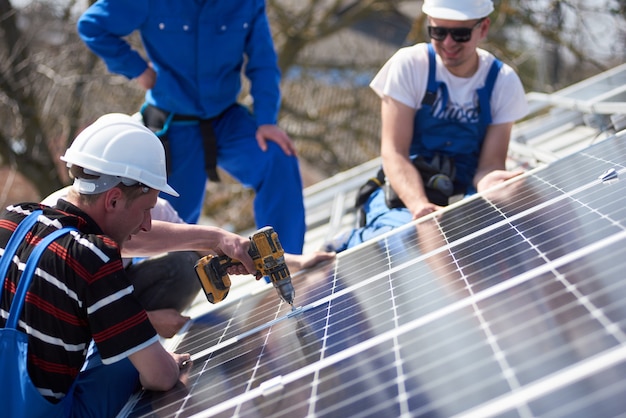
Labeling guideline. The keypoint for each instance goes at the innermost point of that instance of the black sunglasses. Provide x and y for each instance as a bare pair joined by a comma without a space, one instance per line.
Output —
439,33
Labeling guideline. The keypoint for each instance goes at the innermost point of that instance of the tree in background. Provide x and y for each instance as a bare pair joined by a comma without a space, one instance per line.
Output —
51,85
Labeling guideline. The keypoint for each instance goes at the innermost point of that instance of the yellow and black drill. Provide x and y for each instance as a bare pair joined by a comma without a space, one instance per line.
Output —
269,258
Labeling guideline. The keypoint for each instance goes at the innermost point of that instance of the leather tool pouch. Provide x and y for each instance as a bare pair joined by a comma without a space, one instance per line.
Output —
437,176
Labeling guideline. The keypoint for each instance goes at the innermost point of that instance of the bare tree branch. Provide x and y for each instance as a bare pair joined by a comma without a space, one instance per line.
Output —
32,157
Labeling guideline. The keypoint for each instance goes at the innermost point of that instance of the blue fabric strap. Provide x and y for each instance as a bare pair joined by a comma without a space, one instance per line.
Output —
11,247
432,68
20,397
431,89
27,275
484,93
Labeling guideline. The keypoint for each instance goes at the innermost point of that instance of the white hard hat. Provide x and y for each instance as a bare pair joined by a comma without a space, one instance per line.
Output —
119,149
457,9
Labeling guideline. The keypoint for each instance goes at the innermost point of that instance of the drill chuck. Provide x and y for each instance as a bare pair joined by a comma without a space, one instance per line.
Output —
285,291
269,258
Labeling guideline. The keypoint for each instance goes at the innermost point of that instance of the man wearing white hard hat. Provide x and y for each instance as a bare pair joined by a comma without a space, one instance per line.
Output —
64,284
447,109
164,279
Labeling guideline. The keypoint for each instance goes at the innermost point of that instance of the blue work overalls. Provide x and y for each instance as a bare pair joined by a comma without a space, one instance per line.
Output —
435,133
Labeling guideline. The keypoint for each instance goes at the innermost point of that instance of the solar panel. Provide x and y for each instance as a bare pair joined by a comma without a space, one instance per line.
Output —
510,304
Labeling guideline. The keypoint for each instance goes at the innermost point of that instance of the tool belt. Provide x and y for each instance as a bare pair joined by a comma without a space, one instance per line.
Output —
159,120
437,175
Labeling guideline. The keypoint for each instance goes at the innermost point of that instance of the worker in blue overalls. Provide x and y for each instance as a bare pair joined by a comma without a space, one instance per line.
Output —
196,51
448,108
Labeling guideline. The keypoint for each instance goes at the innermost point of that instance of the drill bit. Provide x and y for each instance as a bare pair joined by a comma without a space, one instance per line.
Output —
285,290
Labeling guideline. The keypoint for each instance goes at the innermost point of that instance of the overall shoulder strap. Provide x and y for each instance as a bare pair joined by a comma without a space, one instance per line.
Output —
27,275
431,88
11,247
484,93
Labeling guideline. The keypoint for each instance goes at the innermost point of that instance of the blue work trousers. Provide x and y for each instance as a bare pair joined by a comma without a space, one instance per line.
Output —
379,219
274,176
103,390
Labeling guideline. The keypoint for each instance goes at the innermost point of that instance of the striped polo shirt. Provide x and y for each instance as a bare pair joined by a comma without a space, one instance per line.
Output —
80,292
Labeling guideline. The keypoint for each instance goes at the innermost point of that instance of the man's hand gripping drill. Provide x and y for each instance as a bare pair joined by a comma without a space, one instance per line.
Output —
269,259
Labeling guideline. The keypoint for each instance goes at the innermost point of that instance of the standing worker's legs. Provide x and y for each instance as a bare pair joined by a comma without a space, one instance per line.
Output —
274,176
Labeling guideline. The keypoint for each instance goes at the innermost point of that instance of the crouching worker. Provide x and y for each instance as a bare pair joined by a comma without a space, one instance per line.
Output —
447,110
165,280
74,289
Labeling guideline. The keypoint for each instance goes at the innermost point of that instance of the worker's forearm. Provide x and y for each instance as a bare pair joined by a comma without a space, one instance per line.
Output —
168,237
406,182
158,369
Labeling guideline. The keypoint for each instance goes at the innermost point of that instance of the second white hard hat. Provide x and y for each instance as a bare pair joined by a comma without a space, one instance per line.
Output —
457,9
121,149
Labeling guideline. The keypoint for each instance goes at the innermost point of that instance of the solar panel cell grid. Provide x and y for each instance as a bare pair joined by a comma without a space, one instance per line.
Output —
511,304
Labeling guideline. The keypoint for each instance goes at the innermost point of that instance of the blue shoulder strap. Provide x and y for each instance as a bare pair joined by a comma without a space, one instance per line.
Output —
29,270
11,247
484,93
431,89
27,275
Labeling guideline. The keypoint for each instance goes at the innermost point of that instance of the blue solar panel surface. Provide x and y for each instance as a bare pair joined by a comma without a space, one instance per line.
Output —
510,304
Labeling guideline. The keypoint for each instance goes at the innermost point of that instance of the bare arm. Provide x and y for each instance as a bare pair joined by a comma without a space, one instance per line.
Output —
158,369
492,163
147,79
167,237
397,134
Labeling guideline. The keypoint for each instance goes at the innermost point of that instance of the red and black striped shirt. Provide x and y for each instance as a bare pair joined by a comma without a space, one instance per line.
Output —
80,292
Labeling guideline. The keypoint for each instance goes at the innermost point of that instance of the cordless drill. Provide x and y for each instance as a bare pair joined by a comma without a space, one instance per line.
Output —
269,259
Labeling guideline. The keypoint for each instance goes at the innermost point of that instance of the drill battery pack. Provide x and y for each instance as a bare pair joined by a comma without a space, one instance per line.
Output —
211,271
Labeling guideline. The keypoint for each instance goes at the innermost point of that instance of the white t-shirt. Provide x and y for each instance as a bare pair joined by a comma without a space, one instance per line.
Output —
404,78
